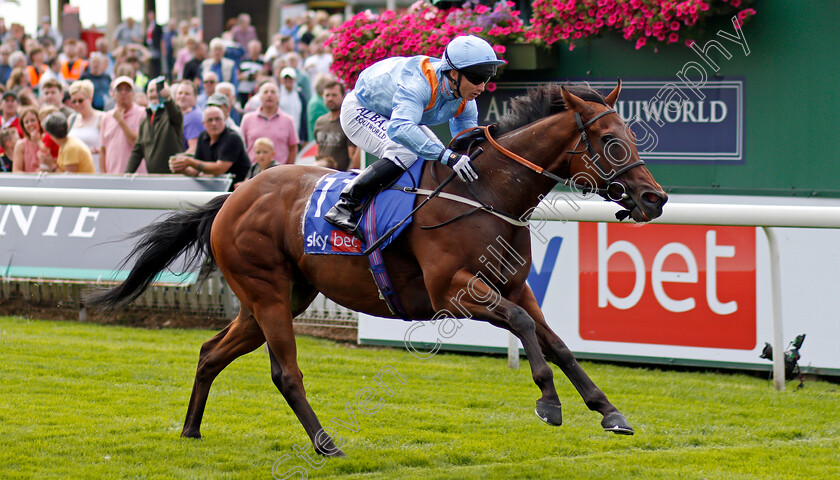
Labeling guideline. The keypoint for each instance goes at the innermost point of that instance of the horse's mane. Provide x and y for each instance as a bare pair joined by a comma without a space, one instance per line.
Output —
541,102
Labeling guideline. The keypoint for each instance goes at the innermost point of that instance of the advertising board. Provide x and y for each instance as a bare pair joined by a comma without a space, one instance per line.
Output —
674,123
83,243
662,294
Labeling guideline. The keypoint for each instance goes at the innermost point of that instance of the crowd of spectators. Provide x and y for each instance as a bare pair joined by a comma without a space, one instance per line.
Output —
159,99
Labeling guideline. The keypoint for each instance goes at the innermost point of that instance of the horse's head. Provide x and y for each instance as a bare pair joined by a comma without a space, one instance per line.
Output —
605,159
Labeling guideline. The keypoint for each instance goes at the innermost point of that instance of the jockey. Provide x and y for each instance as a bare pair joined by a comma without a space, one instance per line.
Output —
394,99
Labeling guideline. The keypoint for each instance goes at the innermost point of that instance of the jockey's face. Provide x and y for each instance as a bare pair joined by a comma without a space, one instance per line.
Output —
469,90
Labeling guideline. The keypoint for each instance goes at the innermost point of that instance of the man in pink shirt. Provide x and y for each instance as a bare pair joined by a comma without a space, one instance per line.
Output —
272,123
120,128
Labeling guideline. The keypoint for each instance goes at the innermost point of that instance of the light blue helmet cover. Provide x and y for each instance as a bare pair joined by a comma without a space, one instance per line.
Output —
470,51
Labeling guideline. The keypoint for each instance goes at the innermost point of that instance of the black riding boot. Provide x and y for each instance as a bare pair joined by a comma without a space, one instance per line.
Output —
371,181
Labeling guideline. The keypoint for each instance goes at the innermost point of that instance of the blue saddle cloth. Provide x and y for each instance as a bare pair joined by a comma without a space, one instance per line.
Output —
385,211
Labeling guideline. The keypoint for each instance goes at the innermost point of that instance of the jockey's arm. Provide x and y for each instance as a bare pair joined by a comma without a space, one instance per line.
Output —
404,126
467,119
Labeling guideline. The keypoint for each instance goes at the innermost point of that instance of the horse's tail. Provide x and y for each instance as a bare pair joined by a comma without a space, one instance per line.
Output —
159,245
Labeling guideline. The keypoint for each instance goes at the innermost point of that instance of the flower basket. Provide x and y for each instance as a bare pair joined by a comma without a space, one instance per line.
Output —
528,56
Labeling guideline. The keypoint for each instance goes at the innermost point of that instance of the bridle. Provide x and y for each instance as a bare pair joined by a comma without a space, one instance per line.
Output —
610,178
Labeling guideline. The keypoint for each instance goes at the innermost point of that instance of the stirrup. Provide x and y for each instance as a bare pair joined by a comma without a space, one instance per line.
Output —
341,216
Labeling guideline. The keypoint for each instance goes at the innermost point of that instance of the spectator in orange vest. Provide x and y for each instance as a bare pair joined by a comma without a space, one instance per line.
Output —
36,66
72,68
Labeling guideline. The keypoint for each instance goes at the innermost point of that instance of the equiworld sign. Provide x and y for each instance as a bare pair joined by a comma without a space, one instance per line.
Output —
673,122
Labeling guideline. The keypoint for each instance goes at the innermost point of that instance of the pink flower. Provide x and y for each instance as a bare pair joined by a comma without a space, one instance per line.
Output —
743,14
673,37
499,48
491,87
640,42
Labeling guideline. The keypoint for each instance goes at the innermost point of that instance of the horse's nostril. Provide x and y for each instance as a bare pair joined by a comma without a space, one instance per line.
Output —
651,198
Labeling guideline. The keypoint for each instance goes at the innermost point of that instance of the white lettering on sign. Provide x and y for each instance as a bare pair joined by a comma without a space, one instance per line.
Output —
23,222
713,251
494,113
604,253
714,111
50,231
79,229
659,276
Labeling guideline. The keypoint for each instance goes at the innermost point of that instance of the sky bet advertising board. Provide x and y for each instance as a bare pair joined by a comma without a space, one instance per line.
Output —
683,294
674,122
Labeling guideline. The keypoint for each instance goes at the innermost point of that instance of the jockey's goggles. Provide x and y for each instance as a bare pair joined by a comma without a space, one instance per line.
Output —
478,74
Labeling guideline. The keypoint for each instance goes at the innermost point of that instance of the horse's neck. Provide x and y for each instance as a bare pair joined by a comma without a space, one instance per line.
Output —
515,188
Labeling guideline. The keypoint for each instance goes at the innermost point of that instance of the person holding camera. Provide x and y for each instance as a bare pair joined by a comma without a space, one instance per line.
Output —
161,132
249,68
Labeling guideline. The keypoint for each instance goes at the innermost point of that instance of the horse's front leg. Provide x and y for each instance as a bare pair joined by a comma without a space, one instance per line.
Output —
465,295
558,353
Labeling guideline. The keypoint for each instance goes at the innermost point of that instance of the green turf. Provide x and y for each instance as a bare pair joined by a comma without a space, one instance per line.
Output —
88,401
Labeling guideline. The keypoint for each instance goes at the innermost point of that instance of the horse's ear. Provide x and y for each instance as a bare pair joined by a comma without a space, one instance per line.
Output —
573,102
613,96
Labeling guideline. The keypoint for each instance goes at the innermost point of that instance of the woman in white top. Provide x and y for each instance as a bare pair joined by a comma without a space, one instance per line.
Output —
87,121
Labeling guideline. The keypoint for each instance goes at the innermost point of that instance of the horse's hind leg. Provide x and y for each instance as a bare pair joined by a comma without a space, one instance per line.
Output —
242,336
276,321
558,353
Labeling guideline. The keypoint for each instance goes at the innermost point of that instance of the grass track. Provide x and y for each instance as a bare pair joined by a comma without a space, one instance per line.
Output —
88,401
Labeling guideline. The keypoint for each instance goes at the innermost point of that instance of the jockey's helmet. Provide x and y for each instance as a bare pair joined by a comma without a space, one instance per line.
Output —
473,57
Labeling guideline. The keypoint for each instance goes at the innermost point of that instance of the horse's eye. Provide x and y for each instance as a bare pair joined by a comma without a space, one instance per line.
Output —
606,139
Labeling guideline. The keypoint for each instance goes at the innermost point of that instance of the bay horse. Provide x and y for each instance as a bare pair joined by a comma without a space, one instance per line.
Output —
255,237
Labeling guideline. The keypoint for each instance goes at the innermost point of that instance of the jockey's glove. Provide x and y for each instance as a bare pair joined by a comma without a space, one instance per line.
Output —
462,165
465,169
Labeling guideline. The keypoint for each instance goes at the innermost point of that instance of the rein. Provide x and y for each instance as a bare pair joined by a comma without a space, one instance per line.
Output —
610,179
482,206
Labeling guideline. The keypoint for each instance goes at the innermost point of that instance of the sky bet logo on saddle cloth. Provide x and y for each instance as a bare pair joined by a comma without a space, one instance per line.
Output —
390,206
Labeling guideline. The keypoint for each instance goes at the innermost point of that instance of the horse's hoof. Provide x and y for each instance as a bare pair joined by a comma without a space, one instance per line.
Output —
191,434
335,452
329,451
550,413
617,423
